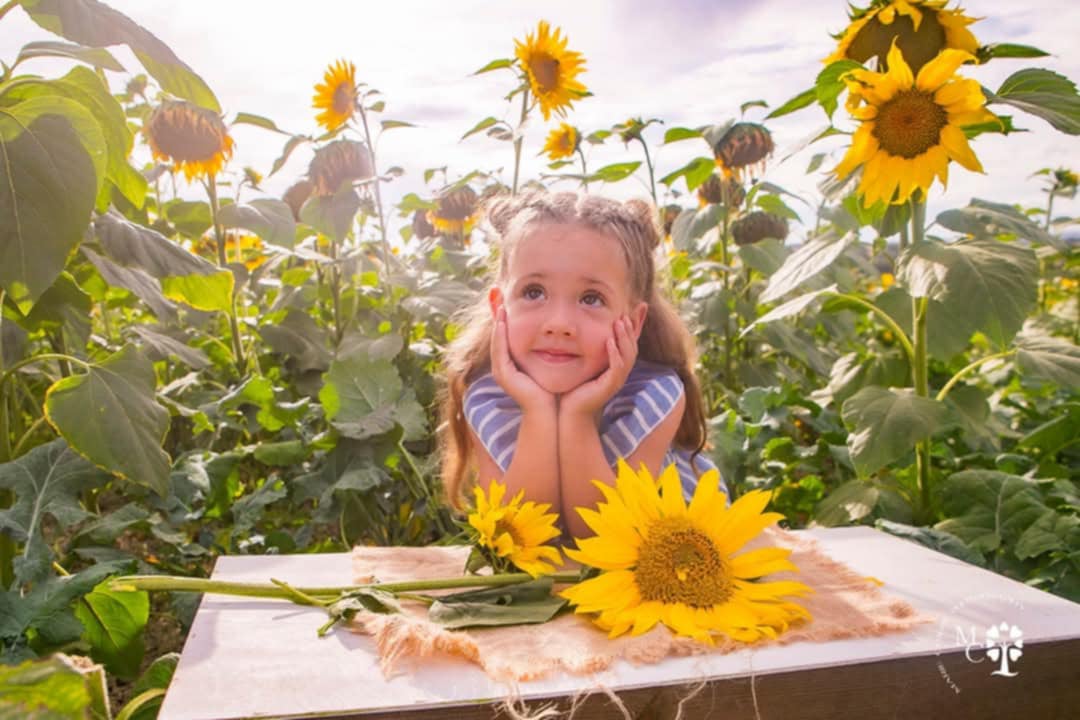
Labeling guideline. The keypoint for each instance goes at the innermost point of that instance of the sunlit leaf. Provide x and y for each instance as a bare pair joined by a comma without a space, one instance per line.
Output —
133,245
806,262
1042,93
987,508
202,292
269,218
616,171
1049,358
364,398
695,172
243,118
145,287
886,425
98,57
495,65
791,307
676,134
114,623
803,99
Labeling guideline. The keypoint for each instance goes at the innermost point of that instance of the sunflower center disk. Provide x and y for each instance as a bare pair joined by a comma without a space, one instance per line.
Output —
343,99
546,70
909,124
678,563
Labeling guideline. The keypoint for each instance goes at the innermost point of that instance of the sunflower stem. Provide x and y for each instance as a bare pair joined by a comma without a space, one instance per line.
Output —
378,195
920,367
970,367
584,170
219,237
648,164
4,10
724,259
520,139
1043,285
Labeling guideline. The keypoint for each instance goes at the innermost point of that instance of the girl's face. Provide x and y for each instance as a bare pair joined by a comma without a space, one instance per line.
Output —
565,287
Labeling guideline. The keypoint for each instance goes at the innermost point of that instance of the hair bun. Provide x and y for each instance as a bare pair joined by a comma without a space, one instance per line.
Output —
645,213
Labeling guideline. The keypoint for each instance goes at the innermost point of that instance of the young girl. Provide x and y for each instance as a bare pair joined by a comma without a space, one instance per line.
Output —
572,359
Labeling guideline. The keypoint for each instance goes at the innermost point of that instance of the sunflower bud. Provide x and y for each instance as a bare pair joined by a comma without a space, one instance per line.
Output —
456,211
718,190
192,138
339,162
744,145
296,196
1064,181
757,226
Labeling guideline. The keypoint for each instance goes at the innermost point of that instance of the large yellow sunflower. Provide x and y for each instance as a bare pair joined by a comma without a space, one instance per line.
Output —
561,142
922,29
336,95
552,70
911,126
192,138
665,562
515,531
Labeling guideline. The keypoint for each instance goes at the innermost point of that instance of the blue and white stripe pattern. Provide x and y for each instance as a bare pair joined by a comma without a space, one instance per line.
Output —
648,396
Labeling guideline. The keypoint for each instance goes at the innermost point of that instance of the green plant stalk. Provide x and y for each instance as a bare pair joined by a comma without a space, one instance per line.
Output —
648,164
584,169
520,139
920,368
139,702
901,336
378,194
725,260
970,367
219,237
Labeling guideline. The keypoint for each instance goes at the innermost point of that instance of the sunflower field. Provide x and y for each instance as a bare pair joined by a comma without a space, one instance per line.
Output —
190,367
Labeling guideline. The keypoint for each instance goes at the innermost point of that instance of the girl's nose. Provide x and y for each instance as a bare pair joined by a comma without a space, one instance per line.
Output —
559,322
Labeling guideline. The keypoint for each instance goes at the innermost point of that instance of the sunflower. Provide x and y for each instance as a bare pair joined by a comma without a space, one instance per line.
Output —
515,531
743,148
664,562
192,138
562,142
911,125
456,212
336,96
922,29
339,162
551,69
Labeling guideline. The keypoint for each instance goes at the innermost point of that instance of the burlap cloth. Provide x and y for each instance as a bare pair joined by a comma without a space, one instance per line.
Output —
844,605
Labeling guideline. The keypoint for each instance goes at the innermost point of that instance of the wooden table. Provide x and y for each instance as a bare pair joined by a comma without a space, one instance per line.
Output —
254,658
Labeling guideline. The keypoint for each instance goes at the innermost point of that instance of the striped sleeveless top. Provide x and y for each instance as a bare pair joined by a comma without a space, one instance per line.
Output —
648,396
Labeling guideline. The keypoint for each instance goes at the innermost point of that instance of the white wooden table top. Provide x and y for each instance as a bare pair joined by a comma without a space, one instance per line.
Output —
247,657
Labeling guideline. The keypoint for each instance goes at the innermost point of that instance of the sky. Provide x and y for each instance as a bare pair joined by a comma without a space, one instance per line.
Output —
687,62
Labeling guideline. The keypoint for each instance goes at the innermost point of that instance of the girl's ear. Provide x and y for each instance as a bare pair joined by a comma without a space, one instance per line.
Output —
495,300
637,318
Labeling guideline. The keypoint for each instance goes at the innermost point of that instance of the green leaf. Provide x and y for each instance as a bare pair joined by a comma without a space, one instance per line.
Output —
1008,50
146,288
243,118
615,172
524,603
806,262
332,215
191,217
988,508
202,292
887,424
48,480
391,124
273,414
1042,93
987,220
692,224
934,539
1049,358
133,245
1051,532
282,454
159,346
440,299
363,398
696,172
290,145
676,134
54,164
300,337
993,283
803,99
110,416
495,65
105,530
49,689
829,84
949,327
269,218
94,24
791,307
775,205
480,126
97,57
1055,434
114,623
766,256
158,675
249,509
65,307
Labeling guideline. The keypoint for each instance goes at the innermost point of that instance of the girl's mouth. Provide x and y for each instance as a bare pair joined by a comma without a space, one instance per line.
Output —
554,356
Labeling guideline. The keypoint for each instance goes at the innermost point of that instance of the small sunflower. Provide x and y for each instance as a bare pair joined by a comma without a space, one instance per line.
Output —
743,148
515,531
662,561
551,69
562,142
336,95
192,138
921,28
911,126
457,212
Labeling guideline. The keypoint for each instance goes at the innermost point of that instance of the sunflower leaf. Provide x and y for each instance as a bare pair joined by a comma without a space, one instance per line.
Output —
391,124
803,99
269,218
616,171
830,83
886,425
243,118
1042,93
495,65
1049,358
130,245
989,508
696,172
791,307
676,134
806,262
290,145
98,57
523,603
985,219
1008,50
114,622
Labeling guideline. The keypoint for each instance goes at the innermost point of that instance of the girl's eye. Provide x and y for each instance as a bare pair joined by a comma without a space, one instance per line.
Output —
593,299
532,292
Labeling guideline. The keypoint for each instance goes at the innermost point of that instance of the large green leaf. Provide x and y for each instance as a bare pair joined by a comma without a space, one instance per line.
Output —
692,224
95,24
159,346
887,424
110,416
64,307
300,337
857,500
363,398
805,263
792,307
146,288
332,215
521,604
993,283
766,256
114,622
1043,93
53,165
52,48
133,245
438,299
49,689
269,218
988,508
987,220
948,327
1052,531
47,480
1049,358
273,414
934,539
202,292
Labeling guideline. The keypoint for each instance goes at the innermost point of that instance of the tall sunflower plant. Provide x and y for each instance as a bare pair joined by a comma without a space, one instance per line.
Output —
654,559
915,115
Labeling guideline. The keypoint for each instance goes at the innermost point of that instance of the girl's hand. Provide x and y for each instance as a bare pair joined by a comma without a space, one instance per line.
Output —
589,397
518,385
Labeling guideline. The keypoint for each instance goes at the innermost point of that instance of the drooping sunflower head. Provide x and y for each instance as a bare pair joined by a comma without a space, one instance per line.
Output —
192,138
296,195
743,148
719,190
911,126
663,561
421,228
457,212
921,29
339,162
336,95
758,225
562,142
515,531
550,69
